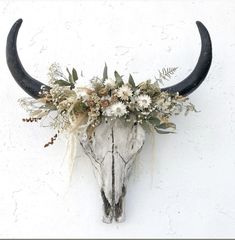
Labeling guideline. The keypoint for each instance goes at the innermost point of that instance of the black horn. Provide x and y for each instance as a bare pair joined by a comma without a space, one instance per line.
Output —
190,83
30,85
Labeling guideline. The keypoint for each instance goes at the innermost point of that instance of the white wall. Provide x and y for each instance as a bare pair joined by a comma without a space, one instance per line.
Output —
184,185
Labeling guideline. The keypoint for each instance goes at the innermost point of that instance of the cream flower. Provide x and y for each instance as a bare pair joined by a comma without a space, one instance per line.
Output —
108,112
124,92
109,82
143,101
116,110
137,92
82,93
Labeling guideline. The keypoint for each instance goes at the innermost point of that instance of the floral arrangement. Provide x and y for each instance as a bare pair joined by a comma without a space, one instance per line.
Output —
80,109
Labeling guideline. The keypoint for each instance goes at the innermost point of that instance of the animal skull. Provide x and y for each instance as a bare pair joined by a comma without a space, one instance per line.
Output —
113,145
112,163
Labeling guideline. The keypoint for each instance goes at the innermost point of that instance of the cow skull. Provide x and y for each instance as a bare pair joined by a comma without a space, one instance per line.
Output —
113,145
112,163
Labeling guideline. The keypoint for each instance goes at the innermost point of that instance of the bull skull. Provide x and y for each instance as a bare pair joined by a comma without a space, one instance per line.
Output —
113,145
113,161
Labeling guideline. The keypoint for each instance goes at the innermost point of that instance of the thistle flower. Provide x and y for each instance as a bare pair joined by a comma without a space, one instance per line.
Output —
124,92
143,101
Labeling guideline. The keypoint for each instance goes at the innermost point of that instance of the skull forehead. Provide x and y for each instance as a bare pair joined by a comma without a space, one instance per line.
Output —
128,138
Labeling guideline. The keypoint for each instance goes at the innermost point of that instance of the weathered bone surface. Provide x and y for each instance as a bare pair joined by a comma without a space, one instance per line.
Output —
112,149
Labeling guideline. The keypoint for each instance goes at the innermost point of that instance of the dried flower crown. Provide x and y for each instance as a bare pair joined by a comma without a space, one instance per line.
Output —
106,99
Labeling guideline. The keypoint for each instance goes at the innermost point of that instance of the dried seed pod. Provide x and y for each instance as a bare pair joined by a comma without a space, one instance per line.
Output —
51,142
31,119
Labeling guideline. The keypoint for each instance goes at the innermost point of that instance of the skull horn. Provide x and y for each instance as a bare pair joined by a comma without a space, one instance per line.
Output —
31,86
190,83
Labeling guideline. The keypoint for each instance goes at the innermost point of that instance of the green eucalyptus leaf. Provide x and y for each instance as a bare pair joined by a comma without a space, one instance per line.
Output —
131,81
154,121
105,72
62,83
70,76
119,80
75,75
166,125
68,71
79,107
162,132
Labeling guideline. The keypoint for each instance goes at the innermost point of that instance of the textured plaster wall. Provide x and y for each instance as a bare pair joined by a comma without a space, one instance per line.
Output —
183,185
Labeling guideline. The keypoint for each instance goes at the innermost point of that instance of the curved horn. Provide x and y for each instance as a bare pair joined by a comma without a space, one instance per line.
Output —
32,86
190,83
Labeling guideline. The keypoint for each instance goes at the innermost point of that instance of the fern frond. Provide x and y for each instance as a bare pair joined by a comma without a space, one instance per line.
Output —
166,73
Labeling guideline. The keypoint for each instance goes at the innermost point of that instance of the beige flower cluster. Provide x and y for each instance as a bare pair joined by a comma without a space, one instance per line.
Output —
106,99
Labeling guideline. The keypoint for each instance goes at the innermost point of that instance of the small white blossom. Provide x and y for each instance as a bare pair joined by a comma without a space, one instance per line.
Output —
117,110
110,83
105,98
143,101
124,92
82,93
137,92
108,112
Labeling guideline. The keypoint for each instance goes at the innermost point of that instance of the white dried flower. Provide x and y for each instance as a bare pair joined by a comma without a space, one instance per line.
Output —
108,112
124,92
118,110
143,101
55,73
110,83
82,93
137,92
